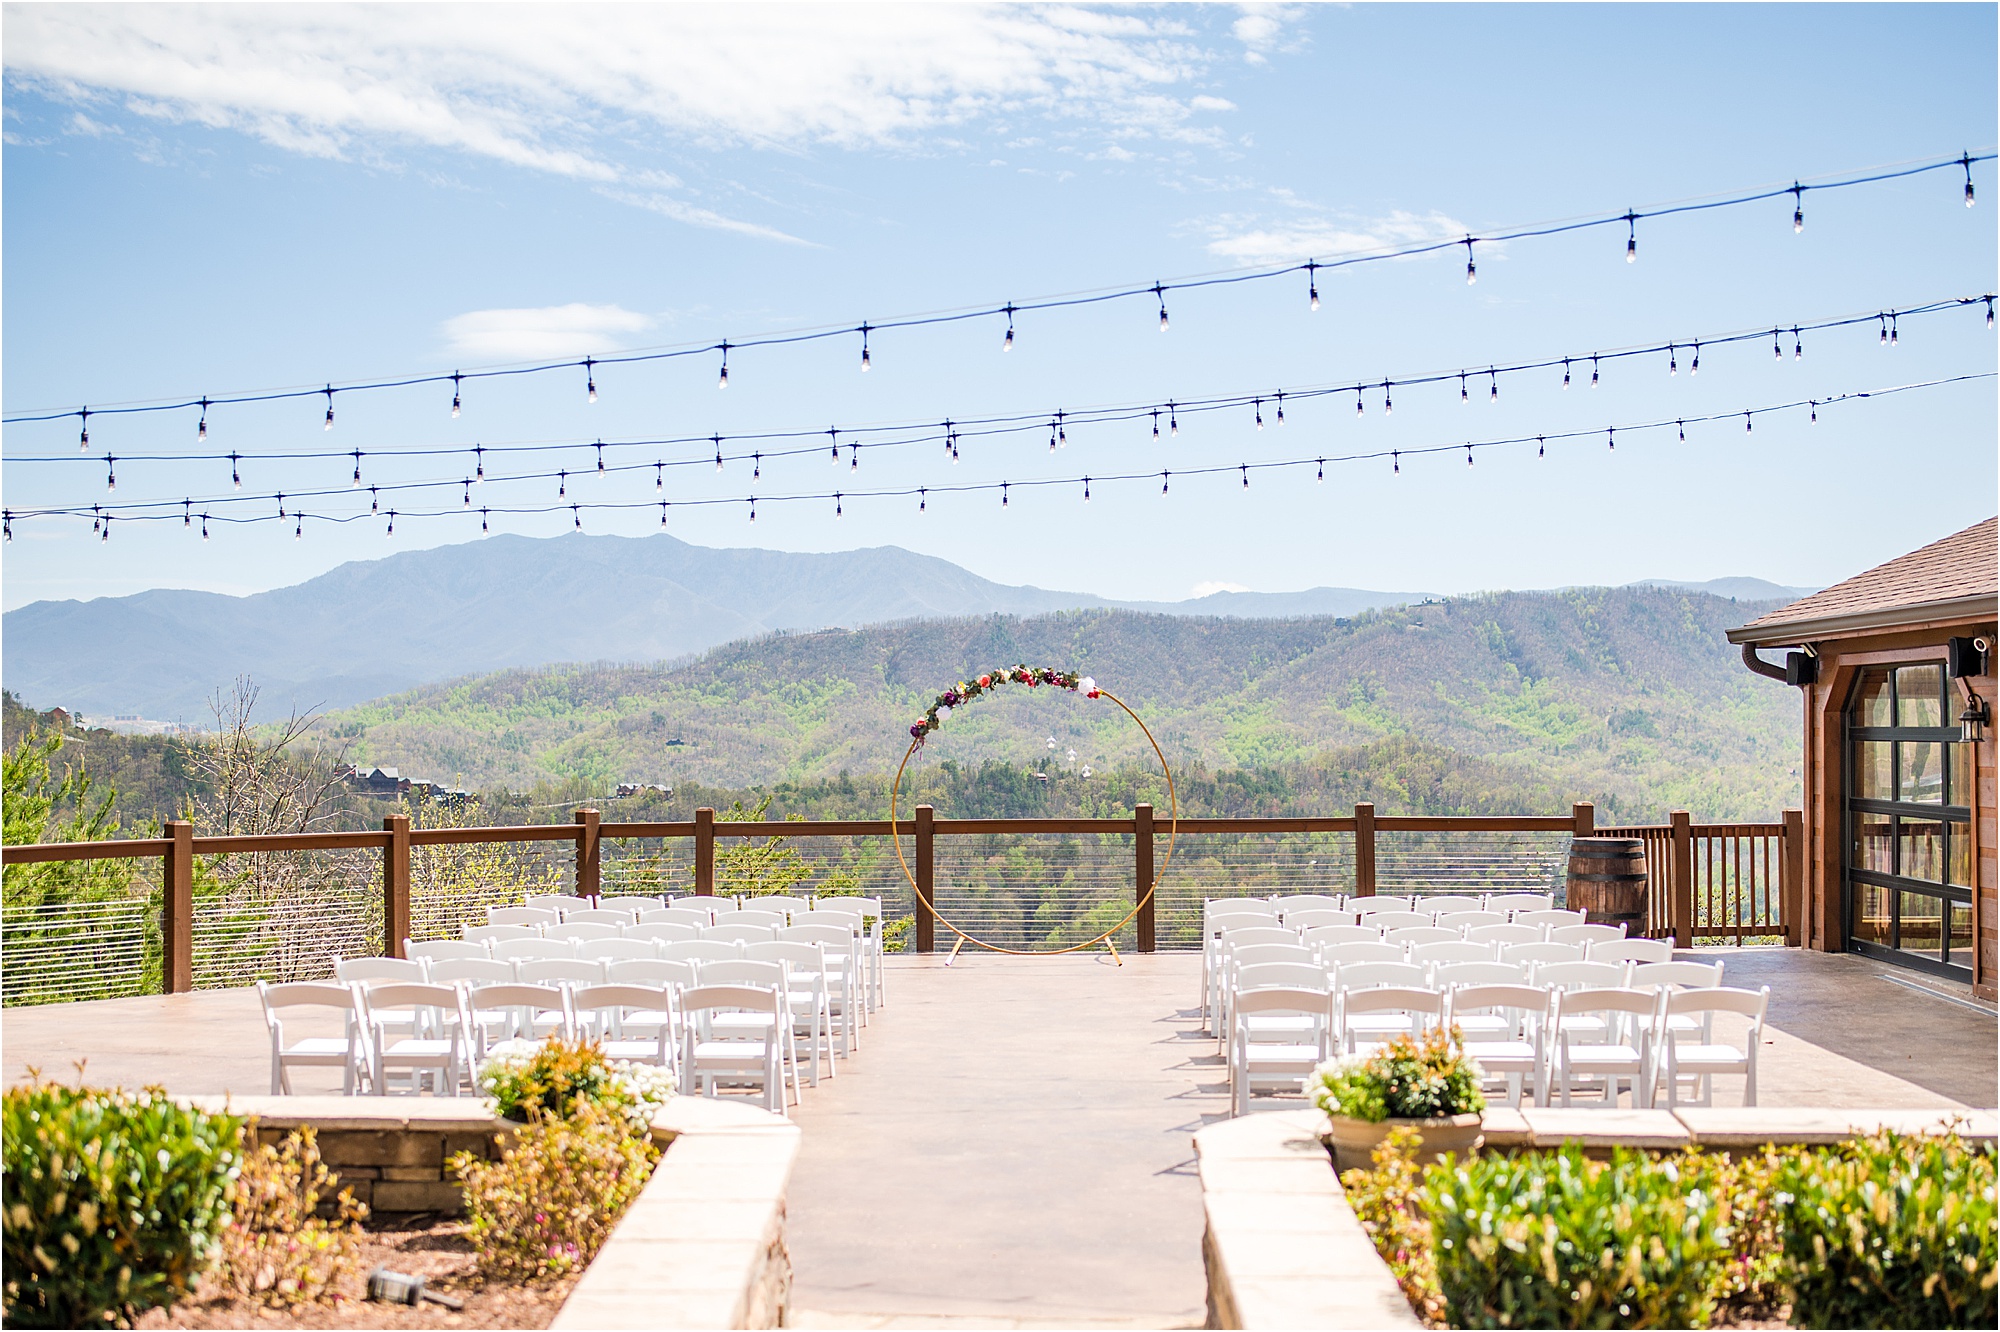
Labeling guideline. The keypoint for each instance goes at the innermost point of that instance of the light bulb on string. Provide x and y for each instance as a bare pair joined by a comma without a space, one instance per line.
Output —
235,471
1777,350
392,524
7,524
1798,208
299,530
590,379
1468,455
1471,273
1395,462
659,476
466,503
1258,407
1173,421
1062,433
1798,345
187,513
723,382
663,513
1156,411
1966,162
753,508
328,390
923,499
1565,372
355,483
1682,426
1312,285
1007,343
374,500
1989,312
717,441
1813,404
1388,406
1321,474
1673,363
104,536
204,527
1892,328
562,485
281,504
836,504
1360,407
600,457
1694,367
1610,437
1463,396
1882,330
1593,372
1246,475
1492,385
1086,490
866,362
1541,447
110,474
577,515
1631,237
1746,423
756,467
833,446
1281,409
83,435
853,457
1163,483
201,427
96,522
483,521
1160,293
1003,494
1052,437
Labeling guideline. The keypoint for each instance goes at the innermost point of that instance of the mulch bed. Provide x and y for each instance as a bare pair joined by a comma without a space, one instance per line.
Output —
424,1245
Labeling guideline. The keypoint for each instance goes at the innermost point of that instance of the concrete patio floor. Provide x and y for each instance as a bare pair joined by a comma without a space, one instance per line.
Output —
1011,1145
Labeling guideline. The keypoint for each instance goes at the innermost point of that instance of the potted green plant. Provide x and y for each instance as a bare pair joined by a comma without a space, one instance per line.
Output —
1425,1083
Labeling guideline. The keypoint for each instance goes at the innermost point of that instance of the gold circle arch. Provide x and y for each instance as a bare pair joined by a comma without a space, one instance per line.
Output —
1173,832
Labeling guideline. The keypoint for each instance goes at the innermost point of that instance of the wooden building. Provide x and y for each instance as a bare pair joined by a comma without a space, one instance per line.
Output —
1896,669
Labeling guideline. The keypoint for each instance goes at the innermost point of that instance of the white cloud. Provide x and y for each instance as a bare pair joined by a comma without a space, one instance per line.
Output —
537,334
1207,103
566,89
1260,29
1249,242
1210,588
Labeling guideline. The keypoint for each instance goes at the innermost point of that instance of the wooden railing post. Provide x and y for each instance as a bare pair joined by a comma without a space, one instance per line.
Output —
588,866
1364,850
1583,818
926,879
1142,875
704,852
1792,877
177,910
395,884
1680,876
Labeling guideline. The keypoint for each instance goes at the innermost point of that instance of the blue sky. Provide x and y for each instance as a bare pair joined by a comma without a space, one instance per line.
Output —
201,201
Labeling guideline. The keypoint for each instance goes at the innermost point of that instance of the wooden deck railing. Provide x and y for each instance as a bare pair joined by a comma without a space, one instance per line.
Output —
1708,880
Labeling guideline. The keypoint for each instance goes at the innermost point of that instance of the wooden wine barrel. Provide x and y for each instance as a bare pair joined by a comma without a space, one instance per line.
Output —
1607,881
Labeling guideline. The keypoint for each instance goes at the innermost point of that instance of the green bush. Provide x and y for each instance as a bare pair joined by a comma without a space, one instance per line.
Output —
528,1081
1555,1240
1408,1078
1891,1231
113,1201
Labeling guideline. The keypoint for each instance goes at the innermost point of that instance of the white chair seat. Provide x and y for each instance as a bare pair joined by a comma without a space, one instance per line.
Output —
1703,1058
1493,1054
1603,1058
328,1050
1483,1026
730,1054
417,1047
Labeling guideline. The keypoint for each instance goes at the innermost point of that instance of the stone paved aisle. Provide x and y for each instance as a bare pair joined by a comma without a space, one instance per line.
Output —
1011,1147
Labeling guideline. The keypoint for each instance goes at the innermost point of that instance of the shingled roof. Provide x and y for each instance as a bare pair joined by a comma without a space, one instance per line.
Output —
1959,575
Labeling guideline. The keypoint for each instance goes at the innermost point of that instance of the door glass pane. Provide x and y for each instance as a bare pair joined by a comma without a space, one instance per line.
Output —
1874,846
1961,932
1958,762
1921,919
1918,693
1871,700
1958,863
1874,777
1871,914
1920,849
1921,780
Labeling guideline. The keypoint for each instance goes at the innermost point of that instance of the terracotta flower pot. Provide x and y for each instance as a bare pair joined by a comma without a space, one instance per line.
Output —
1354,1140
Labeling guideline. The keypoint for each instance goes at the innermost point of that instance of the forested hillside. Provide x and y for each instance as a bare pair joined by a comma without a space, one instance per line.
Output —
1631,696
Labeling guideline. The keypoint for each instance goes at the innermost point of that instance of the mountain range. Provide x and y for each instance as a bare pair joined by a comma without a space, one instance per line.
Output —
376,627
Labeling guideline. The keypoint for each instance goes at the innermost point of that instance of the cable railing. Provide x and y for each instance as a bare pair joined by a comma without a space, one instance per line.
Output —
228,911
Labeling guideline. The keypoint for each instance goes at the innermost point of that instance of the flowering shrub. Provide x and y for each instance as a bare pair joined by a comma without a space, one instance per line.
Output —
276,1248
1408,1078
547,1205
966,691
528,1080
1388,1200
112,1201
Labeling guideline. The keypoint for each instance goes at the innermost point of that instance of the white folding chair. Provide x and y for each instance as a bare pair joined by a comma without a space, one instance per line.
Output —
708,1060
1468,921
1507,934
1325,935
1252,955
532,950
1552,917
1513,902
756,914
1603,1038
1447,975
1230,938
1629,950
783,903
631,905
1390,921
1539,954
1702,1060
731,932
561,902
1452,950
1218,915
536,1012
783,1028
581,931
1289,1057
653,971
488,1025
615,918
699,951
712,905
437,950
690,916
370,971
617,950
805,979
441,1049
1409,936
1293,904
1361,950
662,931
1307,918
840,951
491,934
1347,976
1446,906
1368,906
348,1052
534,917
1382,1012
1503,1027
1587,934
631,1022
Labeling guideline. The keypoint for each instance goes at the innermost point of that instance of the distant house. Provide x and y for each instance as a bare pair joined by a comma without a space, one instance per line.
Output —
61,719
1896,670
642,788
378,782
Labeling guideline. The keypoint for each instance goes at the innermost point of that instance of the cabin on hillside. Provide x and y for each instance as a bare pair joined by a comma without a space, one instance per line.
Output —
1896,670
378,782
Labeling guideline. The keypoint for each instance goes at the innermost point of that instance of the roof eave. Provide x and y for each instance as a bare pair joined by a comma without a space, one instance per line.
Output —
1793,632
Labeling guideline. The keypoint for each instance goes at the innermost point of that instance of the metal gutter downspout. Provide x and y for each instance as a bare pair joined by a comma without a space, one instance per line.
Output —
1759,665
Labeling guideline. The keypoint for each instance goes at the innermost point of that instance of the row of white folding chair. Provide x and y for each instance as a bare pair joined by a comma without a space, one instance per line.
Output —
1436,904
862,914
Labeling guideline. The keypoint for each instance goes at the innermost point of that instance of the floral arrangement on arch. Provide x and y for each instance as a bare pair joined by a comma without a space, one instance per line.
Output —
965,691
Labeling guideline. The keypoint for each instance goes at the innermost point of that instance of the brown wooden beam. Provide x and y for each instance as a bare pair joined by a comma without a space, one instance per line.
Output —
926,880
704,852
1142,874
589,865
1364,850
395,884
177,909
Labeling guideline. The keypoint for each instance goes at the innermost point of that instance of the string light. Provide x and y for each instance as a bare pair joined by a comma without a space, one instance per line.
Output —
1631,237
1388,406
1798,345
467,502
1683,429
1814,405
1892,328
392,524
374,500
1468,455
1471,271
1281,409
1312,283
1163,482
1395,462
1541,447
187,513
1777,349
663,513
576,513
562,485
1062,434
7,524
1007,343
104,536
1086,490
456,380
756,467
96,522
1360,408
328,390
1160,292
1695,368
299,531
1882,326
281,505
865,361
923,499
1989,312
1966,162
590,379
110,474
836,503
600,457
1492,385
1798,208
1463,396
1156,411
235,472
1257,405
853,457
204,527
1593,372
83,435
356,482
1246,476
1746,423
1565,372
660,476
1003,494
201,428
1610,437
753,508
1173,421
1321,476
1673,365
717,441
482,521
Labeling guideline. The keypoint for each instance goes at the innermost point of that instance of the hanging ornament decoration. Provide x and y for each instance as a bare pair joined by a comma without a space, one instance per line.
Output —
1030,677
